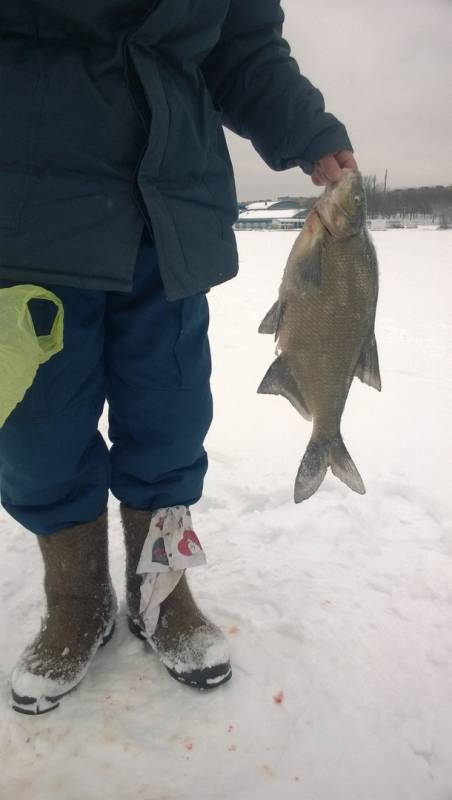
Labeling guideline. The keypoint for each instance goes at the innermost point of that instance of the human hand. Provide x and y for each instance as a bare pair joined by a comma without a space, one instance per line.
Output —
328,169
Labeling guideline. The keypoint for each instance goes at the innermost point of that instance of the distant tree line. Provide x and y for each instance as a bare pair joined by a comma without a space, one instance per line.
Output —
427,201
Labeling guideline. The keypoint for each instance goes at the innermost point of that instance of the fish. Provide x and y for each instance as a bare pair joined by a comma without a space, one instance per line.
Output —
324,325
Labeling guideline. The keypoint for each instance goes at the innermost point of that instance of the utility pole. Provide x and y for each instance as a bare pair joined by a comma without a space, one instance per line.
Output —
384,191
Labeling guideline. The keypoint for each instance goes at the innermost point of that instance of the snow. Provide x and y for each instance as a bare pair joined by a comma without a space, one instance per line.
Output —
338,610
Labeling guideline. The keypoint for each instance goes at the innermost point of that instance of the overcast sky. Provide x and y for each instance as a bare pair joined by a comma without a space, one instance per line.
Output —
385,69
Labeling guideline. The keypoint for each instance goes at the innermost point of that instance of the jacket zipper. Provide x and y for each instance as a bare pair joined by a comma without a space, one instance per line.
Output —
136,192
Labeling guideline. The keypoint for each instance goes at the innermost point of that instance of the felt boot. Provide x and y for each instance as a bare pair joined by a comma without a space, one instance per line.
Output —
81,611
193,649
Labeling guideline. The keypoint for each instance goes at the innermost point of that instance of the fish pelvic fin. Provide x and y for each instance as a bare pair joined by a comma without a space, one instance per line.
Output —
316,460
272,320
279,380
367,368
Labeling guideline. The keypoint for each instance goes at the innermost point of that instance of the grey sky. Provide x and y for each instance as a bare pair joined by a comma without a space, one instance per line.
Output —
385,70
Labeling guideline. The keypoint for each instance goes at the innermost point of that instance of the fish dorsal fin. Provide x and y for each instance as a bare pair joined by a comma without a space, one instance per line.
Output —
367,369
272,320
280,380
310,266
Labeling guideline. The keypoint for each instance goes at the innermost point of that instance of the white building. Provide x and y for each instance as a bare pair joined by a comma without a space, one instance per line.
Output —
272,214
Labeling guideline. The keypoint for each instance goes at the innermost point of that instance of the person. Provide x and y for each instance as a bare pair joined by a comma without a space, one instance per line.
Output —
118,196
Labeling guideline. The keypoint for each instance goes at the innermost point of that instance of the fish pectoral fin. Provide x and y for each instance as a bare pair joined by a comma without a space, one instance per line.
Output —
368,369
280,380
272,320
310,267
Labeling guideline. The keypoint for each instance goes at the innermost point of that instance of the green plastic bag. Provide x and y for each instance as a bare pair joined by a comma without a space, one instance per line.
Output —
21,350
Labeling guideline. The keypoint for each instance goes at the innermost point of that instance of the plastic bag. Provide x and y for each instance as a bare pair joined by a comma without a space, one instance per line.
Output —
21,350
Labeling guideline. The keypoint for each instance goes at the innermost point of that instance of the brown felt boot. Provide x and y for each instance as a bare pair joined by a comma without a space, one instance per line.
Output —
81,611
192,648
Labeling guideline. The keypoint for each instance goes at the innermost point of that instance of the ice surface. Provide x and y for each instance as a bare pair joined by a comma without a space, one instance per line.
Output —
338,611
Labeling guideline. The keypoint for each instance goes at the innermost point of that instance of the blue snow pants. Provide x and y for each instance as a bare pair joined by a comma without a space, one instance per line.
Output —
150,359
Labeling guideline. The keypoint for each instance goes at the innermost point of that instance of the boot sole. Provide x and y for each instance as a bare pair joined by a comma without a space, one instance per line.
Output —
202,679
22,704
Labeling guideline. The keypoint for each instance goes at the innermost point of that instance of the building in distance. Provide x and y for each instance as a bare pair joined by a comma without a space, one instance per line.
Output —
283,214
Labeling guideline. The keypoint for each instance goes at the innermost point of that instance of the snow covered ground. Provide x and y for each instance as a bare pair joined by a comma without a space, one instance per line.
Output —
338,610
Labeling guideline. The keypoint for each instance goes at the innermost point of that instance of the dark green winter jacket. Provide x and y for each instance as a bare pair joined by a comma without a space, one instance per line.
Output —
111,115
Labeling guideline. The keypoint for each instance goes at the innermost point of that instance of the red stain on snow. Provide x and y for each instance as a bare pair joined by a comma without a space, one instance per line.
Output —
233,629
278,698
268,772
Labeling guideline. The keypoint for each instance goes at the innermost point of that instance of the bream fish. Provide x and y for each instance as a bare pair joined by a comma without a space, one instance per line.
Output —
324,325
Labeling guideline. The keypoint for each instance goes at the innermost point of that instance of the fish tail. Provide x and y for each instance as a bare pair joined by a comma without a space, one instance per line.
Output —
316,460
312,470
342,466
